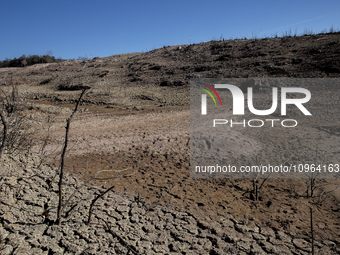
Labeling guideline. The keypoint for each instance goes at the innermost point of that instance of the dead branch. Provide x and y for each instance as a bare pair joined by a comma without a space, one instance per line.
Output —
256,188
99,196
122,241
326,194
95,200
61,175
166,189
311,229
271,173
4,136
313,184
98,179
5,98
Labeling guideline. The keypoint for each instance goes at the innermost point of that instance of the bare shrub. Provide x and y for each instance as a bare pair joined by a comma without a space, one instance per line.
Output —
18,129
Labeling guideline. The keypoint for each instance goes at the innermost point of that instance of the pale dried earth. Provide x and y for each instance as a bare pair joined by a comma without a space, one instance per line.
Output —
121,223
136,116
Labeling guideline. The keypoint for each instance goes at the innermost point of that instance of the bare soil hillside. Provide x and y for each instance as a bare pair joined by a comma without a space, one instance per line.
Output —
136,115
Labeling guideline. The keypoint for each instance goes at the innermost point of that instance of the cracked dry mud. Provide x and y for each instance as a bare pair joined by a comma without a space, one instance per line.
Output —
136,116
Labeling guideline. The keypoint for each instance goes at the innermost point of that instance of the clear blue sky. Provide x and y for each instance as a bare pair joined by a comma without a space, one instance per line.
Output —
102,28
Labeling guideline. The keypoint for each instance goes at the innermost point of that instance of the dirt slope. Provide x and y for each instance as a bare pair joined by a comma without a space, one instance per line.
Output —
137,115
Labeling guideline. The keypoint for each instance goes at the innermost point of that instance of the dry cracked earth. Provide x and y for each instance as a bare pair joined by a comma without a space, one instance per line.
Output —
136,117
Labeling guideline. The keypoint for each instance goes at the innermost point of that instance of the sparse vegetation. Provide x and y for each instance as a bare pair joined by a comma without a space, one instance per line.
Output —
17,127
138,110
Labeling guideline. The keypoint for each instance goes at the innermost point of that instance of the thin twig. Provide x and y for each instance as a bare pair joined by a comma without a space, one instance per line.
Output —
311,229
122,241
63,158
272,172
326,194
95,178
96,198
4,137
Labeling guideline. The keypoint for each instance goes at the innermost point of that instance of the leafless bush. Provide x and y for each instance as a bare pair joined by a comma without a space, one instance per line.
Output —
256,186
20,133
10,101
314,183
326,194
17,133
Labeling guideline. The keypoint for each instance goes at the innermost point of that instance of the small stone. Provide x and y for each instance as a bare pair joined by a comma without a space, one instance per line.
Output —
256,249
302,244
6,250
54,231
12,180
241,228
257,236
232,236
122,208
3,233
203,224
254,228
226,222
244,246
329,243
146,245
134,218
268,247
283,237
161,249
325,251
193,229
8,218
137,210
267,232
282,249
321,225
148,228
